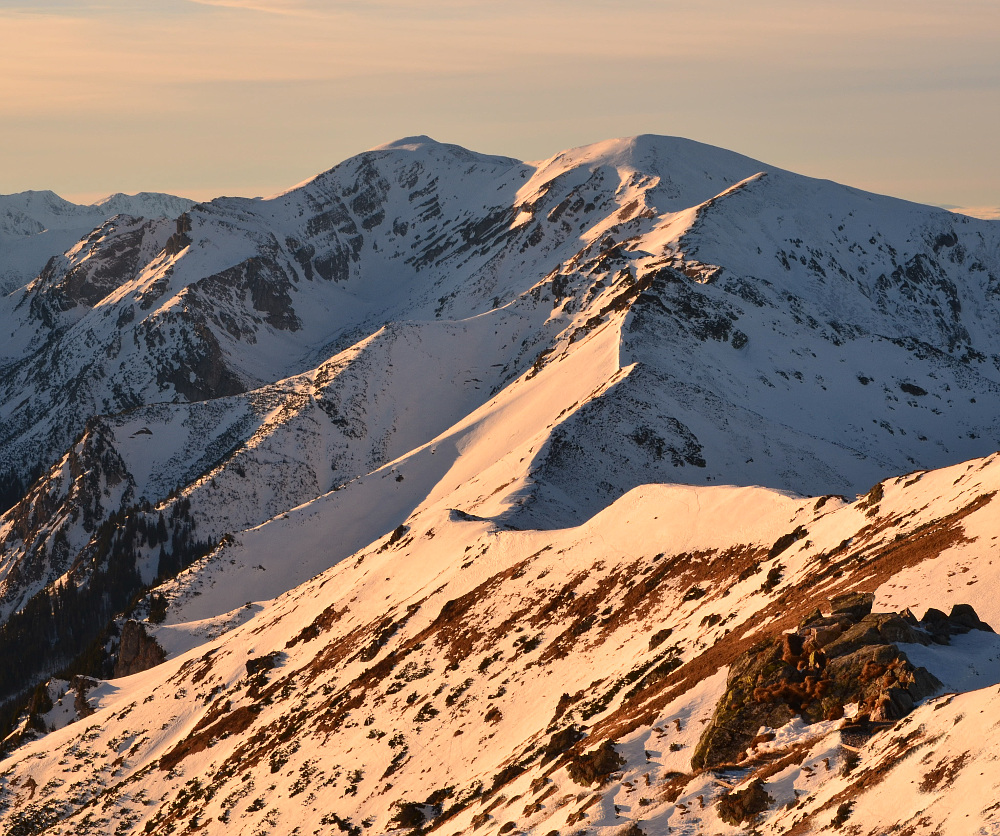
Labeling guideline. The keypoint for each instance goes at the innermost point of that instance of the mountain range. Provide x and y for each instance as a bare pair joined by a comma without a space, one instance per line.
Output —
292,543
36,225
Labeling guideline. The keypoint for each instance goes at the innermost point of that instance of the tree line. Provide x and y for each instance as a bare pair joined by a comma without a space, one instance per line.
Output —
66,628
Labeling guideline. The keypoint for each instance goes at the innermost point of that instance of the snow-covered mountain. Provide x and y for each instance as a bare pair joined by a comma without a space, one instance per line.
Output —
36,225
329,444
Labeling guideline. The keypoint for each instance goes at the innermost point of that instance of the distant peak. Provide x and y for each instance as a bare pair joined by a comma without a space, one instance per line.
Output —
117,197
46,193
408,143
144,204
647,149
426,143
46,197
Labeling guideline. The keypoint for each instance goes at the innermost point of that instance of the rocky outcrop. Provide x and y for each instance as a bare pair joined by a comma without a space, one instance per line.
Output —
80,685
828,662
137,651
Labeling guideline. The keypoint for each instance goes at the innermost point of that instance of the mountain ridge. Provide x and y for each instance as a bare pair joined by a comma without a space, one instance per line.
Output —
35,225
340,436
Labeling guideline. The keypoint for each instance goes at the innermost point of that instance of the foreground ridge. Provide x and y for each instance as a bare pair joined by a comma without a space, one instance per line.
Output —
556,679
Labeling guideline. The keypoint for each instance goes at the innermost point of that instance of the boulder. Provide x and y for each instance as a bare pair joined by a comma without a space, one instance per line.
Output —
822,634
739,715
792,646
936,624
855,605
893,627
892,704
963,618
963,615
744,805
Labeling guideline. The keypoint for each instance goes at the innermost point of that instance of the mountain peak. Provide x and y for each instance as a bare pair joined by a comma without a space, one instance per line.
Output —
644,150
39,224
427,145
408,143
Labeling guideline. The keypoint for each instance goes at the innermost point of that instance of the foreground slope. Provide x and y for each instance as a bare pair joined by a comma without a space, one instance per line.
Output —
453,677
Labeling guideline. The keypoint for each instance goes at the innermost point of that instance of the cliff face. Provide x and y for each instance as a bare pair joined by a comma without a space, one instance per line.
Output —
137,651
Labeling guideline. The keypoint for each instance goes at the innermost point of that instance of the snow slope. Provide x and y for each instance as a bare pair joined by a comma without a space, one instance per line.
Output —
438,670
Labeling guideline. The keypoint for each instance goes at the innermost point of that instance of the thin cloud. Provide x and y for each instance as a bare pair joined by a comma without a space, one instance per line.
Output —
792,83
78,7
277,7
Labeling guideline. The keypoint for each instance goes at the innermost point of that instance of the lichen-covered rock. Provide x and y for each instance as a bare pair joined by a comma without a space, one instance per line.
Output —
739,710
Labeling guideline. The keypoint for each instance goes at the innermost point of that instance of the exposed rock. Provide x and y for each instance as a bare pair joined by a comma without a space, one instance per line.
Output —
659,637
727,735
137,651
856,605
744,805
82,684
596,765
822,634
260,664
828,662
408,816
878,628
892,704
560,742
963,615
180,239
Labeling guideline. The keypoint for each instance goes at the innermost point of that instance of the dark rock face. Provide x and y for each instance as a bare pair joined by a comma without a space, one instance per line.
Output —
108,258
595,766
261,664
80,685
137,651
738,807
198,369
180,239
560,742
849,656
962,619
260,278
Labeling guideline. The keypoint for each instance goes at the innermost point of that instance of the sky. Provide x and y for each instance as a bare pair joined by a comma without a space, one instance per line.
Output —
250,97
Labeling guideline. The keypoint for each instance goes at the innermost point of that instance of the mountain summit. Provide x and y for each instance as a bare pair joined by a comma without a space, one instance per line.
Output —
451,491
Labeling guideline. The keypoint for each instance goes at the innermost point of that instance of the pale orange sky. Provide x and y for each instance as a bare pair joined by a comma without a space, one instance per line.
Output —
251,96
